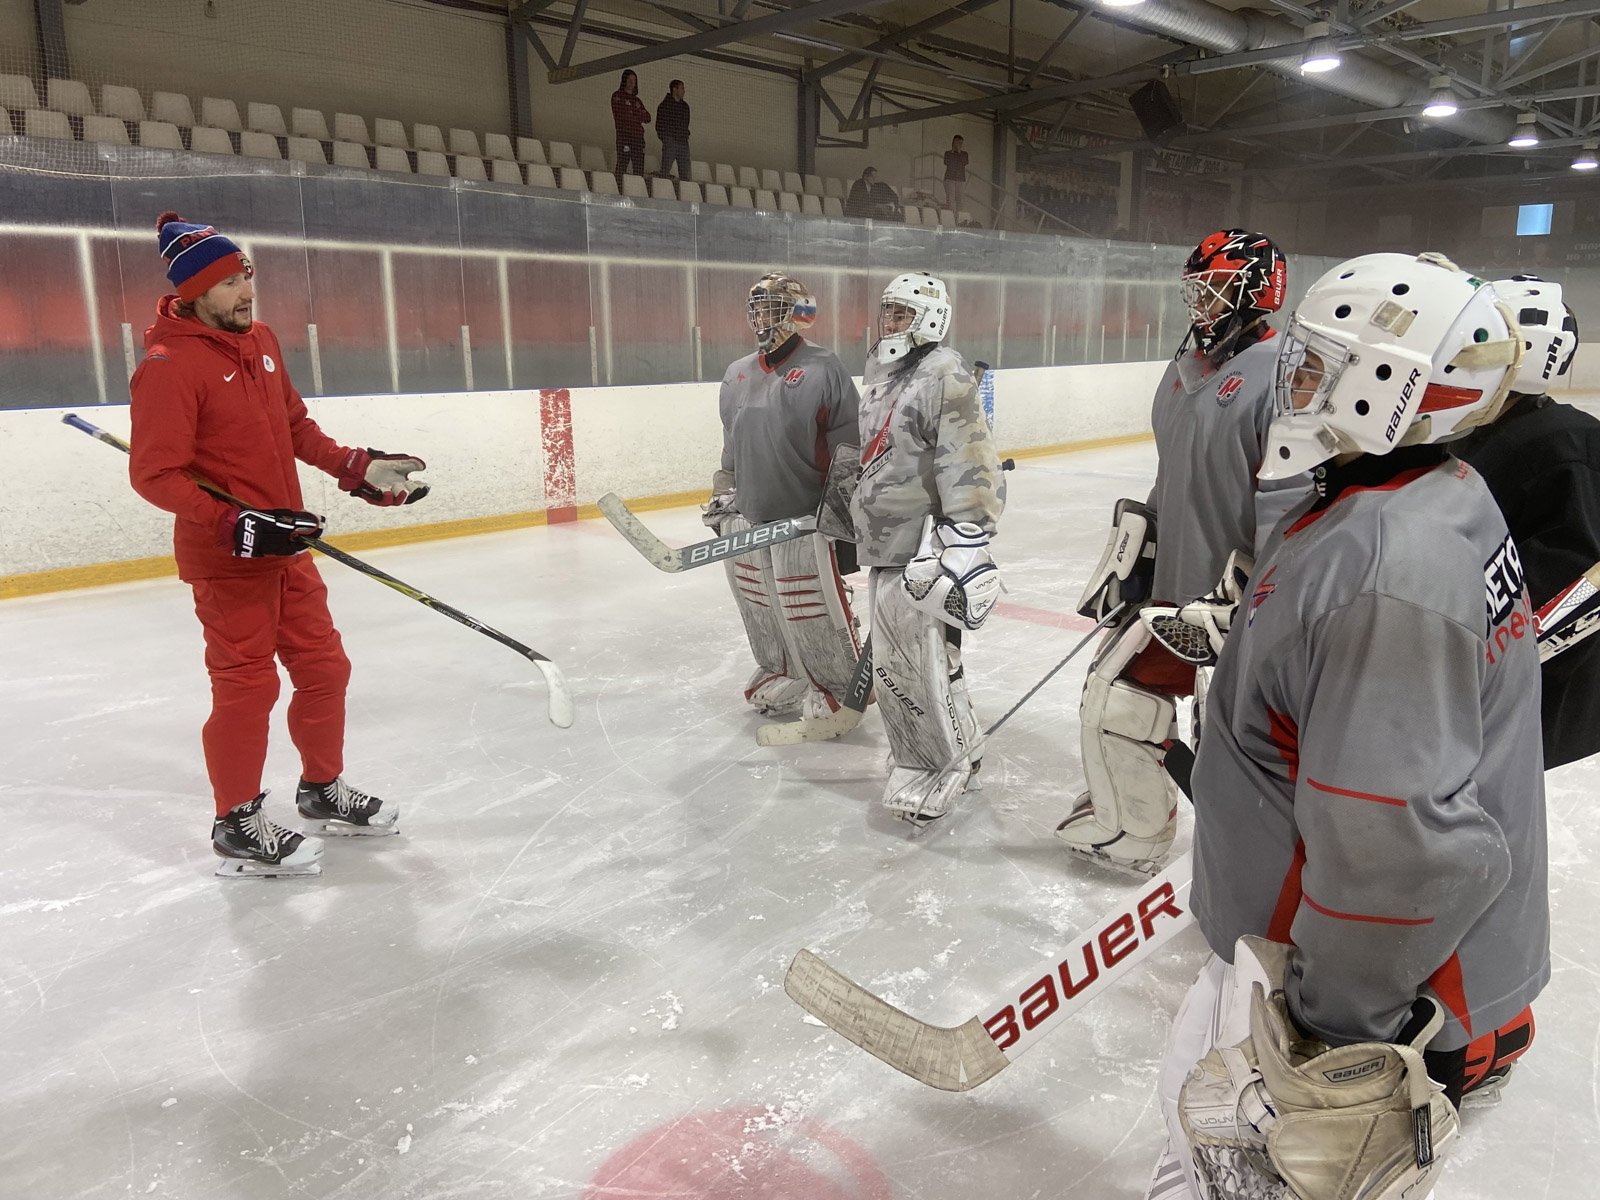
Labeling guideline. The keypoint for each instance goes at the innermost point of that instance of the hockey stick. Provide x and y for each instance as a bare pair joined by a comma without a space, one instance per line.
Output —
664,558
959,1058
1572,615
988,733
835,724
560,697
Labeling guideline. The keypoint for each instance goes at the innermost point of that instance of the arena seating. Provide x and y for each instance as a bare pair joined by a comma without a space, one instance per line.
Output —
354,142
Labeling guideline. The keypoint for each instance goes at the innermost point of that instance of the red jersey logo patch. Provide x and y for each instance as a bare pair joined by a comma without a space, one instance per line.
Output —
1229,388
793,378
1263,590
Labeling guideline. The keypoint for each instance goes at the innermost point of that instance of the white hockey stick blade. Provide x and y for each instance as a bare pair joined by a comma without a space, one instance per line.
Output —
956,1059
1571,616
810,729
560,696
662,556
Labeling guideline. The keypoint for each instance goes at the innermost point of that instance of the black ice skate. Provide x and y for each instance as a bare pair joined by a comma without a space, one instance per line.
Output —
342,811
251,844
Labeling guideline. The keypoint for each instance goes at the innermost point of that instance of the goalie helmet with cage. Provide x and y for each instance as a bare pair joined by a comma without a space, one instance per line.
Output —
1231,281
779,306
1388,350
915,311
1549,331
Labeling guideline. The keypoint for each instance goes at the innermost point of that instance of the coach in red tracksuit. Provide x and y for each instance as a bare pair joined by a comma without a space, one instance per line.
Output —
212,399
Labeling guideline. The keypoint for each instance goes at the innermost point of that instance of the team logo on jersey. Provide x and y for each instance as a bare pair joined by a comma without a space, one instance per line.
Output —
1503,581
793,378
1228,389
266,361
1263,589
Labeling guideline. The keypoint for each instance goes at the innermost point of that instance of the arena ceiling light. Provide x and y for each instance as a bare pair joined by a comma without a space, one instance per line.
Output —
1320,56
1586,160
1442,101
1527,132
1119,3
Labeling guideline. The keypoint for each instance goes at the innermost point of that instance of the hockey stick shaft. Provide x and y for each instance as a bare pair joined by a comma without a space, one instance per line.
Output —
667,558
560,698
836,724
959,1058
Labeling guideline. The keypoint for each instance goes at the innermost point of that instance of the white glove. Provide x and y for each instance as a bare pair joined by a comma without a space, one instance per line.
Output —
1214,613
722,506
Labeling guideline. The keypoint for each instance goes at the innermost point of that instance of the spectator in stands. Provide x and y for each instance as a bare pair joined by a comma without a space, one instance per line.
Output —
672,127
955,175
631,116
869,198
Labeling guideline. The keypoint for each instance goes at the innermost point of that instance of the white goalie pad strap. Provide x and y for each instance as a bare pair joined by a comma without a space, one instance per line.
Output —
818,626
954,577
755,590
1122,727
1130,553
927,715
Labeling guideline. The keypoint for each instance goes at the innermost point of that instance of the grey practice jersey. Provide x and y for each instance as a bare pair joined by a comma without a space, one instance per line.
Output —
925,448
780,428
1209,444
1370,782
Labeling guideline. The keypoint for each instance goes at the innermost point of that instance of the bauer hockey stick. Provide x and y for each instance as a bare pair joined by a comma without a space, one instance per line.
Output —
560,697
959,1058
835,724
1572,615
665,558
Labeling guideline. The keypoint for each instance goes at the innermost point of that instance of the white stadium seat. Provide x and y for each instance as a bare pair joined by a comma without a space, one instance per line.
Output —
204,139
814,186
42,123
427,137
390,133
504,170
464,141
572,179
739,197
531,150
265,118
766,200
69,96
469,166
561,155
307,150
498,145
17,94
689,192
259,145
121,102
788,202
432,162
661,189
541,175
604,183
791,182
592,158
310,123
109,131
348,127
699,171
716,194
831,207
633,185
163,135
771,181
349,154
835,187
220,114
811,204
172,108
392,158
913,215
930,216
748,178
725,176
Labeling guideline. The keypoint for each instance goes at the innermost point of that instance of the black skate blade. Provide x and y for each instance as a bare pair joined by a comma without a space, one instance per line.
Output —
244,868
344,829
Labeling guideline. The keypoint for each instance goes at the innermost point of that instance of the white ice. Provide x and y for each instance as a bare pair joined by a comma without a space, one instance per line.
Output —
565,979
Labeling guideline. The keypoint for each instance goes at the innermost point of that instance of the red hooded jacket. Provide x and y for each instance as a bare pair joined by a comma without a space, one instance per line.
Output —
220,405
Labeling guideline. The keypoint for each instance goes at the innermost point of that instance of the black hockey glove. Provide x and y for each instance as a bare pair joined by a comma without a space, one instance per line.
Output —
259,532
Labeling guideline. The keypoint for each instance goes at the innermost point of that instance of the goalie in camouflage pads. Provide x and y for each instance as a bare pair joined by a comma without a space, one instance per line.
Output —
786,410
1370,850
930,495
1210,417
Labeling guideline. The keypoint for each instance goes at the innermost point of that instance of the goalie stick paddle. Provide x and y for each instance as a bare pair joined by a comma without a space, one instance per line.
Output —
958,1058
835,724
1572,615
665,558
559,698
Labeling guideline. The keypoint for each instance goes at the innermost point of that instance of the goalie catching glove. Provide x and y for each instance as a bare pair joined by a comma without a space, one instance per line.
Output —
1282,1115
1195,632
382,479
1128,564
953,577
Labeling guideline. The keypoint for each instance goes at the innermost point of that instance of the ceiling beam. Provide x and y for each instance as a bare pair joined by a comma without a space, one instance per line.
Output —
740,31
1044,59
899,37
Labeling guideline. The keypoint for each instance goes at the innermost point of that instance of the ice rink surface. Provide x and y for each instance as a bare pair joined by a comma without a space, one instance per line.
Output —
565,979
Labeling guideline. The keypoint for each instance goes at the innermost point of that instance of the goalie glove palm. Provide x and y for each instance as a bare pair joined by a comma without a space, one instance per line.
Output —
382,479
1126,566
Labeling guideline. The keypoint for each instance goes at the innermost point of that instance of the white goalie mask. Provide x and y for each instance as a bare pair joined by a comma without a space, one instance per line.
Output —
1549,331
915,311
953,576
1388,350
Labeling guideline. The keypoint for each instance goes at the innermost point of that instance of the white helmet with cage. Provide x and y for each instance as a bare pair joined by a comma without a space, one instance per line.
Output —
779,306
1549,331
1388,350
929,302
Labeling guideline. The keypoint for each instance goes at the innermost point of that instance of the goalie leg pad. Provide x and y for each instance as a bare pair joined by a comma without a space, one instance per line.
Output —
818,626
778,684
922,696
1131,812
1276,1114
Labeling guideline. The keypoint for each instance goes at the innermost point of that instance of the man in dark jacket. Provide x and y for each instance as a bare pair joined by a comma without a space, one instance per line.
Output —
869,198
630,116
672,127
1541,460
212,399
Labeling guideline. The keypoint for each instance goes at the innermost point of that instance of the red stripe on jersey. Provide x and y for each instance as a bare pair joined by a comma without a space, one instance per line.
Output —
1285,735
1394,485
1288,899
1344,916
1446,984
1339,791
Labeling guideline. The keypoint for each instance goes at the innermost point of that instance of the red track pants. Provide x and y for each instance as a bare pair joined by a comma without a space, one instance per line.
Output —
247,622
